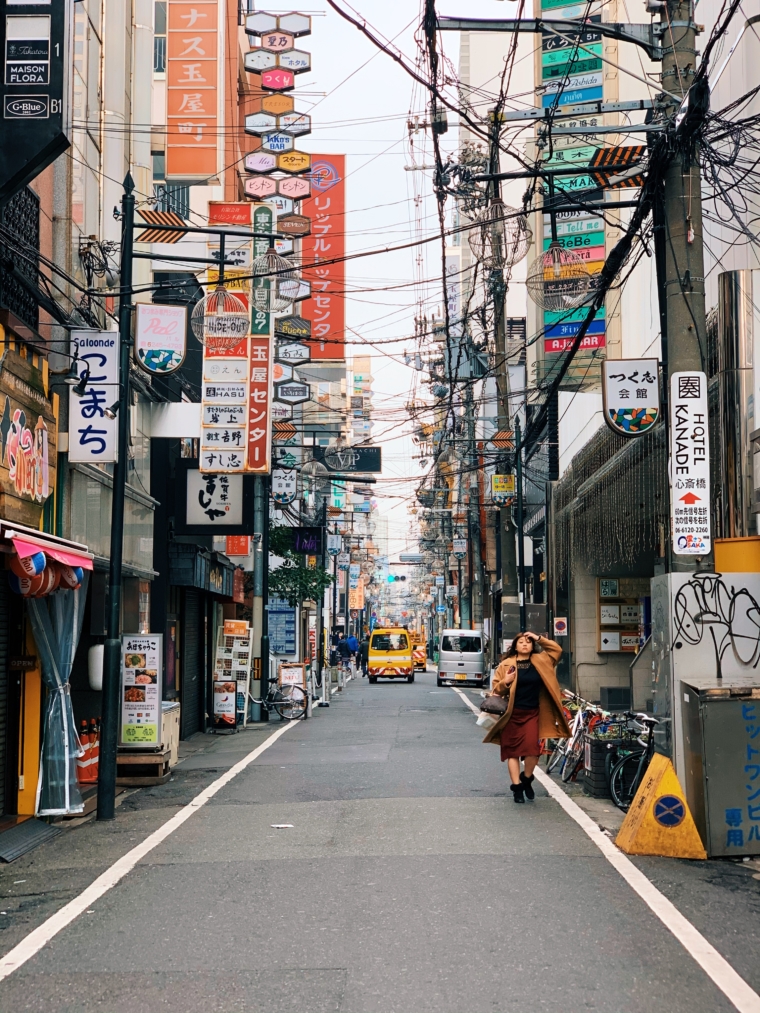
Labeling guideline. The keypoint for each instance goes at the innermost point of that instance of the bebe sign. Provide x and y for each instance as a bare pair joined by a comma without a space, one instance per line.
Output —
160,337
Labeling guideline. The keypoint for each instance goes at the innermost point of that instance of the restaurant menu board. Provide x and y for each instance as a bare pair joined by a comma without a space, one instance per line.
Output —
141,690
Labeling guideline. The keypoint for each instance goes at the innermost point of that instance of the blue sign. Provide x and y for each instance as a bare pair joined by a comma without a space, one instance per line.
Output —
669,811
573,98
571,329
282,628
440,608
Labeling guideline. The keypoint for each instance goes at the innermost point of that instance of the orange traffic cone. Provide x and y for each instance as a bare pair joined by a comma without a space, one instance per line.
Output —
94,748
83,761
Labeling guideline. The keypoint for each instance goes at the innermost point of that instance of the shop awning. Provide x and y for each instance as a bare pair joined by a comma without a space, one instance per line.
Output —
26,544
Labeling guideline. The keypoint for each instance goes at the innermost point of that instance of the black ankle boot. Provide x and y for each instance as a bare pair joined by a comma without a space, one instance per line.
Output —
527,784
518,791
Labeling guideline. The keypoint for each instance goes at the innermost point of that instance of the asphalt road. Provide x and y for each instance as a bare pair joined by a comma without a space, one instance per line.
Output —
409,882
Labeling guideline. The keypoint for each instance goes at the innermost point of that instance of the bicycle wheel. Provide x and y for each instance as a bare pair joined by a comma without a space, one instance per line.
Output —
573,758
625,778
290,703
556,756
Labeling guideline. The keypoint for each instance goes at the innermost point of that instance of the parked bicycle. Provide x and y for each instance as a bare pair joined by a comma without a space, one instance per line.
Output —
289,702
628,772
568,753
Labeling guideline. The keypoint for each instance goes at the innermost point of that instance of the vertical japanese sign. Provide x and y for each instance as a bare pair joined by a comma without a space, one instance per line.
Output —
92,436
689,464
224,399
262,222
327,242
260,405
141,692
191,89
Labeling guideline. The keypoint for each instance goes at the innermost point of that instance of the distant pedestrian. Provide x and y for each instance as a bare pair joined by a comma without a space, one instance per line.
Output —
527,677
353,643
344,651
364,654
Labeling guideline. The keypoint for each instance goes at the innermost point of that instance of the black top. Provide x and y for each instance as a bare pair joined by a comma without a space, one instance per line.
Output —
528,685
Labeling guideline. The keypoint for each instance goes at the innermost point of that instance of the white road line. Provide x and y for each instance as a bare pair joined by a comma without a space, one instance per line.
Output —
731,984
34,942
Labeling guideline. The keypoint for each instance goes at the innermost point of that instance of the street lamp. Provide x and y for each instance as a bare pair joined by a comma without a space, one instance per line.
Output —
500,237
558,279
220,320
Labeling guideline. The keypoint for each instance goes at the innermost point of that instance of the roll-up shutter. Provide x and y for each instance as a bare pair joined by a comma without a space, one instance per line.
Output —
192,663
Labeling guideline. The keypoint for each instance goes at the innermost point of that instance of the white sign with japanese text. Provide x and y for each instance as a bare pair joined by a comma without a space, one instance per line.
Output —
689,465
92,436
215,500
141,690
631,395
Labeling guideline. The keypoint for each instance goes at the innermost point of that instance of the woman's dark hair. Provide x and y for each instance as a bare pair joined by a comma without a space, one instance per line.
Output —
512,652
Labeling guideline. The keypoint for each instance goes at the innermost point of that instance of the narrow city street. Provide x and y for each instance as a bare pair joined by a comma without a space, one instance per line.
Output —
401,878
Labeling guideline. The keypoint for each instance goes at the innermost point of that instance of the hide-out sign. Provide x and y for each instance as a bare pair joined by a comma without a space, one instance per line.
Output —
35,109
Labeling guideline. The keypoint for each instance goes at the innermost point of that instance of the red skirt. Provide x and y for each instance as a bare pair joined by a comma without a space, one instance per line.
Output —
520,736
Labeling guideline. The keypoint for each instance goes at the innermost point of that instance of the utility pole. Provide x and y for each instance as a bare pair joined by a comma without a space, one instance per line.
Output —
499,294
683,284
109,729
473,513
520,523
265,488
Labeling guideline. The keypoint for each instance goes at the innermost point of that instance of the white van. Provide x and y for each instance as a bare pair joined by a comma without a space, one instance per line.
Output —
462,657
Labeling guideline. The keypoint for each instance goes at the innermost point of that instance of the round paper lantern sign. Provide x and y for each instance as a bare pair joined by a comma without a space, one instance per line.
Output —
20,585
71,576
49,579
28,566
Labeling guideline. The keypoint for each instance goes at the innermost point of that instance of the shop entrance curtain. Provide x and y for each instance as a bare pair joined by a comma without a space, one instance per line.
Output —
56,624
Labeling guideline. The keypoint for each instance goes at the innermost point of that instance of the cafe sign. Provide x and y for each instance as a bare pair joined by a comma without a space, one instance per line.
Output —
28,440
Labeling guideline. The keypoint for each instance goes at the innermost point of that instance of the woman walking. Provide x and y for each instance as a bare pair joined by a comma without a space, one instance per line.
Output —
527,677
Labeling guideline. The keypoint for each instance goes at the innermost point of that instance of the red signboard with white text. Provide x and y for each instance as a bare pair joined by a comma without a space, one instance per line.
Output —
326,310
259,404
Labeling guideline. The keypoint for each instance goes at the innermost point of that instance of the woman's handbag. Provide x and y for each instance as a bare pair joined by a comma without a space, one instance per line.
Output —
495,704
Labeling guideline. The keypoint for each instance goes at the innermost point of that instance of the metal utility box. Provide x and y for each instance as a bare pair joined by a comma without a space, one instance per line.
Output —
721,775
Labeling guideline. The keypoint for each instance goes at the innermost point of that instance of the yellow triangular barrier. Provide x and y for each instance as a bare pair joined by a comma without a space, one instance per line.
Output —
659,821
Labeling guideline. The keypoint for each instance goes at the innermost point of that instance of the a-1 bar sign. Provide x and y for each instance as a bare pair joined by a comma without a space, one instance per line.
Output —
34,89
689,464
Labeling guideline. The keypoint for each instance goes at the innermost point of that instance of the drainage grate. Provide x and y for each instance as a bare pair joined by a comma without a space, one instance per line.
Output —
25,837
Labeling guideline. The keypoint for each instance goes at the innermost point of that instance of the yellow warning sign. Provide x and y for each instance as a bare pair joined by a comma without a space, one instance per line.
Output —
659,821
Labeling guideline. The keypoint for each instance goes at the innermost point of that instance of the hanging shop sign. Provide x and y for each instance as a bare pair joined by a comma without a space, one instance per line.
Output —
260,24
160,337
141,690
293,393
208,503
631,395
344,560
281,412
502,489
259,405
689,465
459,547
294,353
214,500
92,435
334,544
294,225
293,327
34,86
282,372
284,486
356,597
325,248
28,439
361,460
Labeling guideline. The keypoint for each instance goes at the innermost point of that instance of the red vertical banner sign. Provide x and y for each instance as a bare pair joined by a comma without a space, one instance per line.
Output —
192,89
260,361
326,310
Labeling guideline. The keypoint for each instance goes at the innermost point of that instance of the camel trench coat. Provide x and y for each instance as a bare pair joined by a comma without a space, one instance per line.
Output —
551,718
